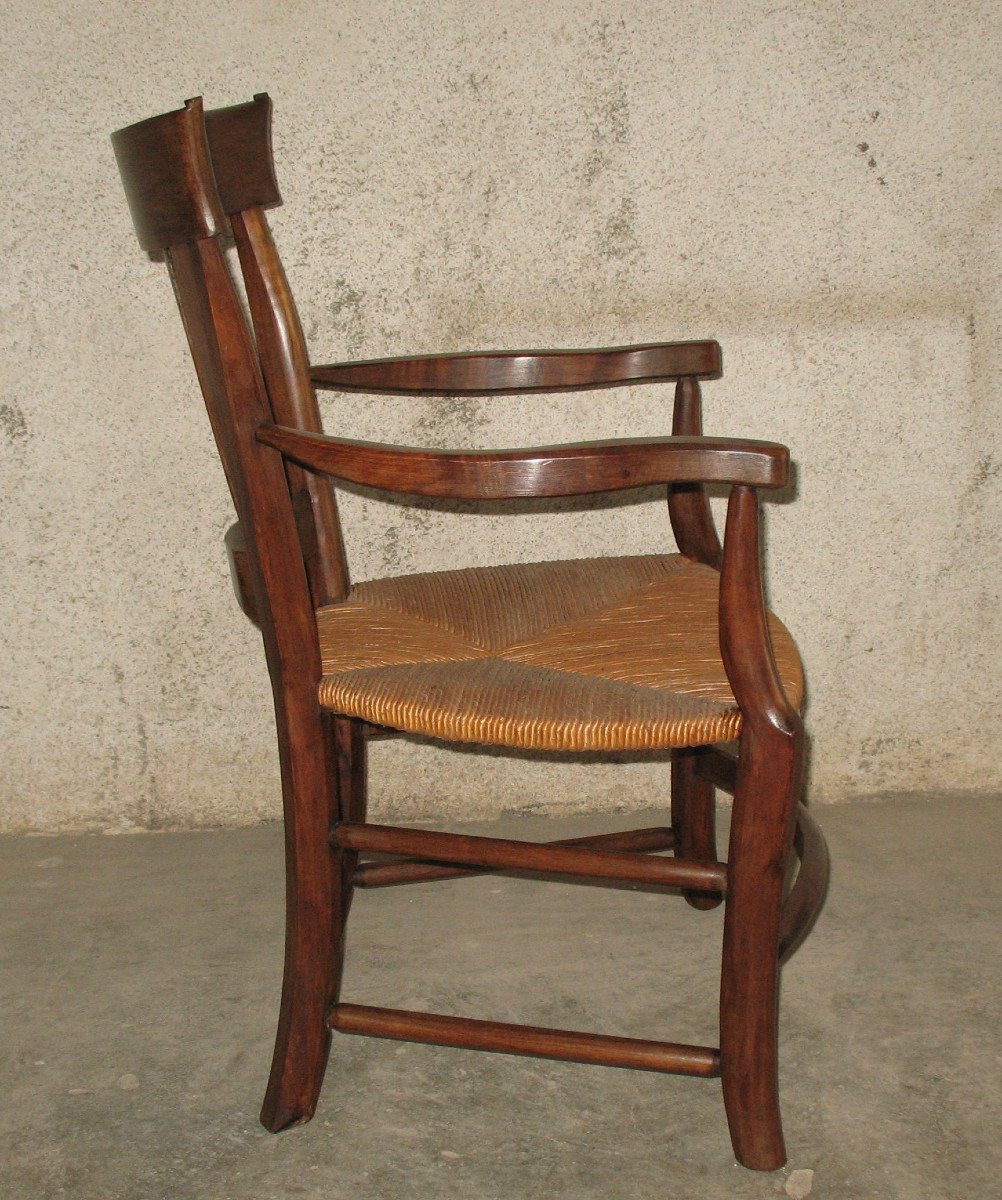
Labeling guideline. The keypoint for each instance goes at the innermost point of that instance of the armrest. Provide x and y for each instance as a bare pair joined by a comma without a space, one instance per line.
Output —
523,370
567,470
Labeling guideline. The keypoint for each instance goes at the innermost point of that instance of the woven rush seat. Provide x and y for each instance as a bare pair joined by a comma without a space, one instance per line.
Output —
583,654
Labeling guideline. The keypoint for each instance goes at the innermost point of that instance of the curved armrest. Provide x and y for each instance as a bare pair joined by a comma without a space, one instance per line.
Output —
566,470
523,370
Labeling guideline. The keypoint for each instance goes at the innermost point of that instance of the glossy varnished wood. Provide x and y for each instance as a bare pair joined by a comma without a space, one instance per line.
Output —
800,908
239,138
547,858
235,396
566,470
767,789
166,172
388,874
237,404
688,503
284,362
532,1040
241,572
502,371
240,143
693,818
807,896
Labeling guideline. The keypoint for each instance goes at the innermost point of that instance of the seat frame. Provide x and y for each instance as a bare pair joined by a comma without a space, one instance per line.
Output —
192,178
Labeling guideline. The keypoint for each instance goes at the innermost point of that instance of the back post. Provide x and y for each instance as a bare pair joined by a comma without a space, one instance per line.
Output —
240,145
168,178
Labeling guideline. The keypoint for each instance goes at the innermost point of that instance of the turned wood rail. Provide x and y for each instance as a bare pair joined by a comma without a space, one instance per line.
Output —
532,1040
388,874
508,855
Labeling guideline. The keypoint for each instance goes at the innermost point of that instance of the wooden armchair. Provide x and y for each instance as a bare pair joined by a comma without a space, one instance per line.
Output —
660,651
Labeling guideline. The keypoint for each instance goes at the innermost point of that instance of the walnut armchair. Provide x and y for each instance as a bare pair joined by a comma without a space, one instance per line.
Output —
662,651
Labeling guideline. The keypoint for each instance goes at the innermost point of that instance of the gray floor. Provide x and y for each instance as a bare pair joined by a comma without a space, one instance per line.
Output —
140,985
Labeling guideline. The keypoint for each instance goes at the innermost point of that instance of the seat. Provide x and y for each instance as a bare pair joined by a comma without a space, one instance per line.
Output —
654,652
586,654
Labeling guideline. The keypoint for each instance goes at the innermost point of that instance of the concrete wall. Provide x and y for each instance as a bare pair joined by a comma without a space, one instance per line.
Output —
815,185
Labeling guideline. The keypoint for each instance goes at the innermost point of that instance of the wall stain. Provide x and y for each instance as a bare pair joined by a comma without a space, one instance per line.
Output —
609,122
619,237
875,751
863,148
12,424
985,470
401,539
449,417
348,314
390,550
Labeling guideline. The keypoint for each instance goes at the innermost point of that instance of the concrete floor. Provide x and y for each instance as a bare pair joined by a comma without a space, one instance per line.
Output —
140,986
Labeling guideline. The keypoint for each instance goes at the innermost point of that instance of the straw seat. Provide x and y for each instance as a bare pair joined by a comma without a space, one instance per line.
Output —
583,654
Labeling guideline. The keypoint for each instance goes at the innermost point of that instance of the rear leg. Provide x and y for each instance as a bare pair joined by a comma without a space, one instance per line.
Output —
318,894
693,818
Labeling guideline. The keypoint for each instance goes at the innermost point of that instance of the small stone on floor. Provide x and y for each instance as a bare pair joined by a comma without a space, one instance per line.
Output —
799,1184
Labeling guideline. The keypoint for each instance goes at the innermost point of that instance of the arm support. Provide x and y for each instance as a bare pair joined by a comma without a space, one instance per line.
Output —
522,370
688,503
566,470
745,642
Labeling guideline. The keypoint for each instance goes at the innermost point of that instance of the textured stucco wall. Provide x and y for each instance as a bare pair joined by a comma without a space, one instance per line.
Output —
816,185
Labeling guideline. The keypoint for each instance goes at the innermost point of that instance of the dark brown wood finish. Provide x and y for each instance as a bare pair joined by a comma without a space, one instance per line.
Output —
533,1040
807,896
693,818
282,603
167,175
240,142
718,765
239,139
566,470
350,786
768,785
547,858
284,362
287,557
237,404
688,503
388,874
502,371
241,572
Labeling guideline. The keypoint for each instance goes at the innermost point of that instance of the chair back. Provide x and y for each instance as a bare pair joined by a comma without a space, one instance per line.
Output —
239,140
168,176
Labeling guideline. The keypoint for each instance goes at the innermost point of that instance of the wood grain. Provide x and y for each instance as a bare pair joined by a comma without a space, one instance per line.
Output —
501,371
565,470
387,874
688,503
532,1040
768,786
508,855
